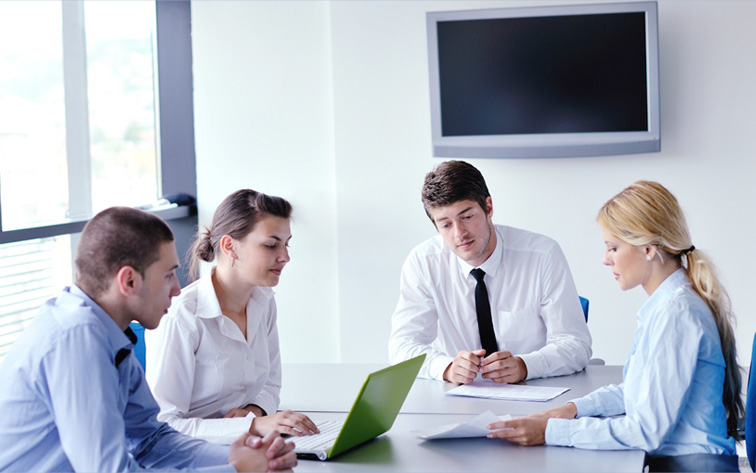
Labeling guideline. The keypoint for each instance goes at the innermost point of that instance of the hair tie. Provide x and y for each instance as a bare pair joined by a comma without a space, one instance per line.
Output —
689,250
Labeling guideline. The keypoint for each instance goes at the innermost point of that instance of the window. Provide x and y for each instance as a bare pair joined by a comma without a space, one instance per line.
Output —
93,106
31,272
78,109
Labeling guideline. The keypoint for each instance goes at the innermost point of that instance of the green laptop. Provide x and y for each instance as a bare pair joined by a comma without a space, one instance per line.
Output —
373,412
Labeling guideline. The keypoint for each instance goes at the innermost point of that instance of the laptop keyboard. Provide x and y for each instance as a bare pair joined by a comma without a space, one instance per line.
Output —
329,430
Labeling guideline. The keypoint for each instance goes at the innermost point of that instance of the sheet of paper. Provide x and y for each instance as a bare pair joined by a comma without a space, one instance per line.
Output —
475,427
508,392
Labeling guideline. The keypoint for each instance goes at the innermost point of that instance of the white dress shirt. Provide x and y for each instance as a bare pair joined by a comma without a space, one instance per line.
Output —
671,396
534,305
199,366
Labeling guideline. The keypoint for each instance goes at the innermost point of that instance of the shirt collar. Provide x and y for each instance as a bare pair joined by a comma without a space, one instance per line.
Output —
118,338
662,293
489,266
208,306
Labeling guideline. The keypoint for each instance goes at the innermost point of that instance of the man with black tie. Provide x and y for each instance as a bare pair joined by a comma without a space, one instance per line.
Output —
485,298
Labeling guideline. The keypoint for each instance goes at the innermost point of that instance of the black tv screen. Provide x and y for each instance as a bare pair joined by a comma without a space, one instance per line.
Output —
545,81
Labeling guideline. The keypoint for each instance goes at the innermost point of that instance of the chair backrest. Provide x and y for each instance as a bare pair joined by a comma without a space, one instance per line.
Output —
139,348
584,303
750,415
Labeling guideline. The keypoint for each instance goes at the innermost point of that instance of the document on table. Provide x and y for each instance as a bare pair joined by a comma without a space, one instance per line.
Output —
507,392
475,427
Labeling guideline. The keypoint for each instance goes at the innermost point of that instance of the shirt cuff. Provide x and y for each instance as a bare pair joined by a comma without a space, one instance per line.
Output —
266,404
585,406
558,432
534,363
226,434
438,365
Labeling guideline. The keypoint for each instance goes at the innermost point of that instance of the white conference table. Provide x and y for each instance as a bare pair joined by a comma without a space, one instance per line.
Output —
399,450
320,387
327,392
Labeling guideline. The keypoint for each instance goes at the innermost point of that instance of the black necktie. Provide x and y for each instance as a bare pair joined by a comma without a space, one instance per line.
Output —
483,308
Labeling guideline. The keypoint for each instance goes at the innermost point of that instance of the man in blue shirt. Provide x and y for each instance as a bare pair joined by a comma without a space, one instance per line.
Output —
74,397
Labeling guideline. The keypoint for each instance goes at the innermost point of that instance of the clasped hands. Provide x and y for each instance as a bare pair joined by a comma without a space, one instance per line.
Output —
499,367
269,453
263,448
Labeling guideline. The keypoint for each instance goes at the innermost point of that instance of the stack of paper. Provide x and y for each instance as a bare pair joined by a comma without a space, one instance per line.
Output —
508,392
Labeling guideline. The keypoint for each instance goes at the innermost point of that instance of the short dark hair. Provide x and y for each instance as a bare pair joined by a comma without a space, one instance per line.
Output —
451,182
114,238
236,216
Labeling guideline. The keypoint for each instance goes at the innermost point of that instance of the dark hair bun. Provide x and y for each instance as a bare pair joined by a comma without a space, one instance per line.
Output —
204,249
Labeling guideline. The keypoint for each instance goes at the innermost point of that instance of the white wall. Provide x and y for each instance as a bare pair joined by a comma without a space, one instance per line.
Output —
264,120
326,103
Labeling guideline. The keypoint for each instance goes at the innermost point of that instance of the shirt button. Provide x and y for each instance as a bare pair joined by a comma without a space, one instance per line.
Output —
249,357
244,390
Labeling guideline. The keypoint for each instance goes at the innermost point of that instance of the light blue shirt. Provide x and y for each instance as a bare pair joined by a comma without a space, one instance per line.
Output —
66,405
671,395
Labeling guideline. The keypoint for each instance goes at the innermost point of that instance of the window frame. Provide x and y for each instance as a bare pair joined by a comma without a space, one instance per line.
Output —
174,107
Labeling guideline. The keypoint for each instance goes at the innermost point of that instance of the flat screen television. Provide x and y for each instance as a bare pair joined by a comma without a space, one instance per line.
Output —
537,82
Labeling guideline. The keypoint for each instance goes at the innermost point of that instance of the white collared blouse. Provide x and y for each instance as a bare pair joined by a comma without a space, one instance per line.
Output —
199,365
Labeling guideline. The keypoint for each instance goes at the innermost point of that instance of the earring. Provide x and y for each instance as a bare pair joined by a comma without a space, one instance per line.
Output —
648,258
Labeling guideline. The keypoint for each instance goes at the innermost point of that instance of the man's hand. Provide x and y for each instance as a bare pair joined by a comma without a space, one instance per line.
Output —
525,430
465,366
502,367
271,453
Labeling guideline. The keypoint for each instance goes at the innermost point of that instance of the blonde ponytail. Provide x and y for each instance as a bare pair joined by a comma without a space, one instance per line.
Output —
703,278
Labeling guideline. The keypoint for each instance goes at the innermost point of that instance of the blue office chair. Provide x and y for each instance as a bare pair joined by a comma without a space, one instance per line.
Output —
584,303
139,348
750,415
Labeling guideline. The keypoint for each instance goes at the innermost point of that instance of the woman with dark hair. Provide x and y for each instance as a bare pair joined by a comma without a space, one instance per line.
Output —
214,364
680,396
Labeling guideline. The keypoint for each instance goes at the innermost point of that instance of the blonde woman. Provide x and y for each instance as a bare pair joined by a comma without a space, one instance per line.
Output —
214,364
680,396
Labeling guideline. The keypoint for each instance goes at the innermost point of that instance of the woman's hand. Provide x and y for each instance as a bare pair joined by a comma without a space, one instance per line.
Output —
285,422
525,430
531,430
567,411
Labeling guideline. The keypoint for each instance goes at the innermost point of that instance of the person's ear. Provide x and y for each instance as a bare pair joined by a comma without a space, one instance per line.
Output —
489,207
650,252
228,247
128,280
